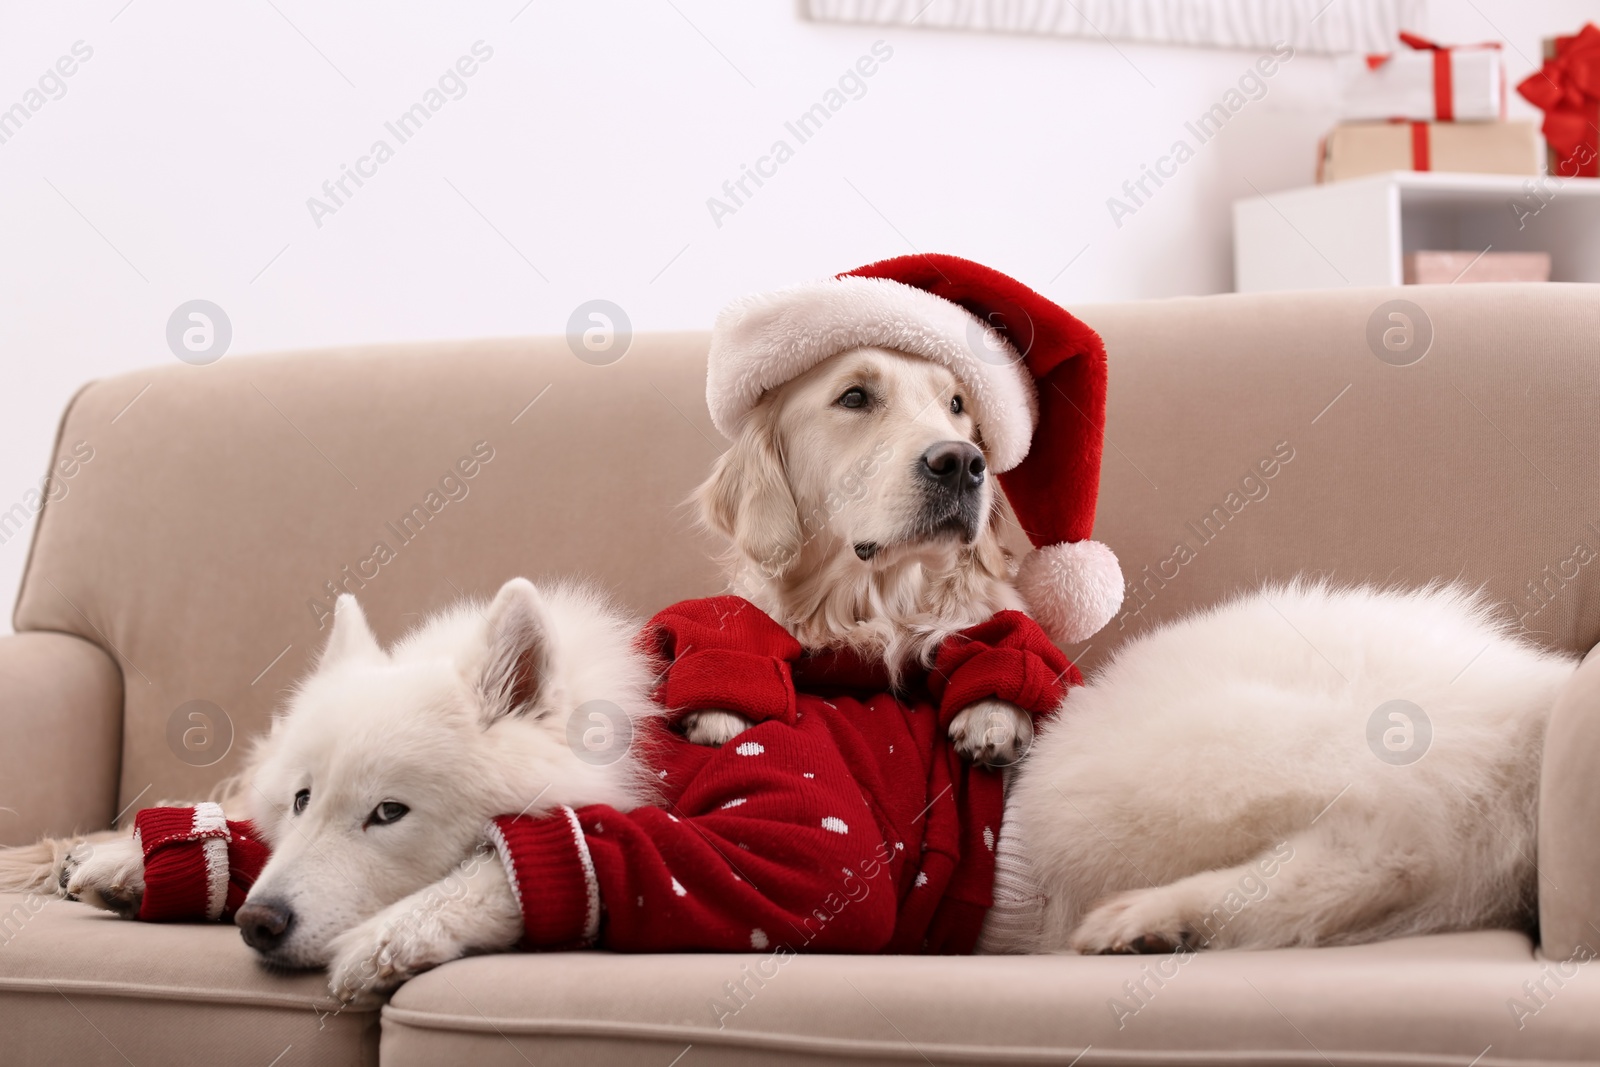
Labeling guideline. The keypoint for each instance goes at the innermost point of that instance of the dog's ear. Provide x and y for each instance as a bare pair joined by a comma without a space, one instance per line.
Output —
747,498
352,638
516,670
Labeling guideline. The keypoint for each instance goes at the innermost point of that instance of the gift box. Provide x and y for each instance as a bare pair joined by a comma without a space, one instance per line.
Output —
1355,149
1426,82
1567,90
1447,268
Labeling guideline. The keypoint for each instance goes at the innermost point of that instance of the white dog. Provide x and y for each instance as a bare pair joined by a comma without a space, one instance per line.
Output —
377,783
1234,779
1302,766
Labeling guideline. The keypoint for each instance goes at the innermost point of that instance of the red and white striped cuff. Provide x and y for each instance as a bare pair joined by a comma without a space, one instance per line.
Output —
197,865
552,875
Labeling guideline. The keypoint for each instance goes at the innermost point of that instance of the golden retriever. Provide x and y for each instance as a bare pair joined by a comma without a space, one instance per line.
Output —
860,512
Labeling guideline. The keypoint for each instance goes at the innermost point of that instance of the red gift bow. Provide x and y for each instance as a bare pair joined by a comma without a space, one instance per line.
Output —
1444,92
1567,90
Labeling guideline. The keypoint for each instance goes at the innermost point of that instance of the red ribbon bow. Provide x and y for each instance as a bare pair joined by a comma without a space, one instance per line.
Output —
1567,90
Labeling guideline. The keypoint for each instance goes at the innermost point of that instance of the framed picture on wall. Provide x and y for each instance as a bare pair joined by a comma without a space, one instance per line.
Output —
1326,26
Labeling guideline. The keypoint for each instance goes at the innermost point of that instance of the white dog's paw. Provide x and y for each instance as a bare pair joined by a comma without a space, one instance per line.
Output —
473,909
992,733
1140,920
108,874
714,728
380,954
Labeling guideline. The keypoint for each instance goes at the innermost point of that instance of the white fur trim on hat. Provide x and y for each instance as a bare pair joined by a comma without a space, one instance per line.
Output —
1072,589
762,341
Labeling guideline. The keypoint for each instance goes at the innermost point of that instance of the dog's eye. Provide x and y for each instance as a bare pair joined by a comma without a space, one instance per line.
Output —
301,799
957,405
387,812
853,397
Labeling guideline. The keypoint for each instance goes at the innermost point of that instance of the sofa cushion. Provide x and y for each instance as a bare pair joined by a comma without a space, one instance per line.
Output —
79,986
1441,1000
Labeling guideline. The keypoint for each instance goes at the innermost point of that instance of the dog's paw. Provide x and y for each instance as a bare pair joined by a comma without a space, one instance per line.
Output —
1140,920
992,733
714,728
380,954
107,874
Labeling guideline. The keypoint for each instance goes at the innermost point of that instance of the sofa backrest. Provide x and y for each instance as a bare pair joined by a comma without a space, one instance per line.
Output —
226,505
1395,436
1250,439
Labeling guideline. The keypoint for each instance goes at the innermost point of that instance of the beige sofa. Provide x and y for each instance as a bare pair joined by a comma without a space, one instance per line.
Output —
192,555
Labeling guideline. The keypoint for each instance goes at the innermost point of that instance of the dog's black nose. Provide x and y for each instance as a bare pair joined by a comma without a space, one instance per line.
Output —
956,465
263,924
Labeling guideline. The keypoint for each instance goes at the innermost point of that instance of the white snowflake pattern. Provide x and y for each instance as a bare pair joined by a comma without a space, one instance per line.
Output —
922,878
677,887
807,774
599,828
734,803
661,774
836,824
758,938
751,748
988,838
891,750
639,901
899,846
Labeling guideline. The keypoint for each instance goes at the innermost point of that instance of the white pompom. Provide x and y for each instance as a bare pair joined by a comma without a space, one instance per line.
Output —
1072,589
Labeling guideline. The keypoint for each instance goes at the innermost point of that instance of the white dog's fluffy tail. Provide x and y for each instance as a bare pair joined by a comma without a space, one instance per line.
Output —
37,868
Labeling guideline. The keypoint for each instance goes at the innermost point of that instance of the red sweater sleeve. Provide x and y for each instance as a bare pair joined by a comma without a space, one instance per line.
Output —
723,653
1007,658
197,864
773,845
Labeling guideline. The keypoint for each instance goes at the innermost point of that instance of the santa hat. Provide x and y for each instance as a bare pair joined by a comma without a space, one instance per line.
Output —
1037,377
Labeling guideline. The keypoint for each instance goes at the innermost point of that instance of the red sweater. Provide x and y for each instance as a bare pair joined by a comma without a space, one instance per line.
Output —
842,821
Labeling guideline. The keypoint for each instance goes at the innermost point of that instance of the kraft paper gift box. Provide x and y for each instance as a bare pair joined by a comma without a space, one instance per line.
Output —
1359,148
1426,83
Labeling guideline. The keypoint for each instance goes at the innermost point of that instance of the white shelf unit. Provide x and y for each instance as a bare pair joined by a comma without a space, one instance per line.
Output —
1354,233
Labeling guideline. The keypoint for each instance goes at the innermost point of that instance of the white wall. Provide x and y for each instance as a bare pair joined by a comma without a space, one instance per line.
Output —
578,164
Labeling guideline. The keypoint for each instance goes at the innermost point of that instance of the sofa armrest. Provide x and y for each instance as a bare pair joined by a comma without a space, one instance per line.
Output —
61,720
1569,819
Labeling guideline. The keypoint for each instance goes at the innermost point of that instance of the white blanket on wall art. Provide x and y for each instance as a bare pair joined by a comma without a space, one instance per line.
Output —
1328,26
